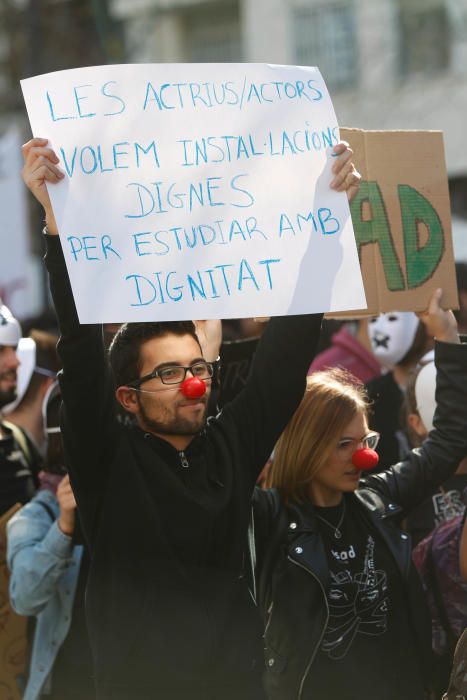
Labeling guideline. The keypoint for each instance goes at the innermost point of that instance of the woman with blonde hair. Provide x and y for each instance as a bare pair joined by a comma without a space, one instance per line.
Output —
344,614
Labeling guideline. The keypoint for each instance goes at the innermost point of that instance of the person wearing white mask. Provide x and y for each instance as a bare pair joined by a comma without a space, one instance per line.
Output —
10,334
392,336
36,374
18,463
398,341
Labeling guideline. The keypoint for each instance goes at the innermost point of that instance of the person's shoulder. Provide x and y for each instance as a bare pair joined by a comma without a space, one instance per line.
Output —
373,495
269,496
267,503
34,519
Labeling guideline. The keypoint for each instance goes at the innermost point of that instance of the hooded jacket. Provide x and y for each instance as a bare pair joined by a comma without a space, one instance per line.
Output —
347,352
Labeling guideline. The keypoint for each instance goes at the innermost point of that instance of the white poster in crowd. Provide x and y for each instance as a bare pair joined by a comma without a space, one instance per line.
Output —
197,191
18,281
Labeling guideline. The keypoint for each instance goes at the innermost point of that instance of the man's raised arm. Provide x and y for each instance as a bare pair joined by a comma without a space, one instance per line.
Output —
277,379
87,391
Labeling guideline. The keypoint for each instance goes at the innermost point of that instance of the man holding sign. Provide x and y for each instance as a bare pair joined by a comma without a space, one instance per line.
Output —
165,505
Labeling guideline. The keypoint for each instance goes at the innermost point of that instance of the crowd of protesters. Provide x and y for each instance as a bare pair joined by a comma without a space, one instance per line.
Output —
156,555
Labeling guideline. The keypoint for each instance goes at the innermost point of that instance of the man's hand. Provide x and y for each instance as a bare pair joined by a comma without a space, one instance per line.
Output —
40,166
210,338
67,503
439,324
346,177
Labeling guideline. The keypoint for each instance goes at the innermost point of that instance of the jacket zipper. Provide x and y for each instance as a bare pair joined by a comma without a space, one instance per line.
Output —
270,609
183,460
315,651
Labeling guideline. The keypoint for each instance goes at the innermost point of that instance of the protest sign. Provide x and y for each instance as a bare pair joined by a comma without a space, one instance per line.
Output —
197,191
402,220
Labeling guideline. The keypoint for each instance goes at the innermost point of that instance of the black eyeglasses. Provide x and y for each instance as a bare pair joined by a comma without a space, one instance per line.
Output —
175,374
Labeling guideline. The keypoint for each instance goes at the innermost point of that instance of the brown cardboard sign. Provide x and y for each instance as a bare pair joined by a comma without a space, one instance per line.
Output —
13,641
402,220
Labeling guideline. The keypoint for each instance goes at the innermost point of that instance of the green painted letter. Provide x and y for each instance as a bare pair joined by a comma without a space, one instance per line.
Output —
376,230
420,262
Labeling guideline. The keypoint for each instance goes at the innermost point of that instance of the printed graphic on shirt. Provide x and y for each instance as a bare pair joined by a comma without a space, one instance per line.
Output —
447,505
358,602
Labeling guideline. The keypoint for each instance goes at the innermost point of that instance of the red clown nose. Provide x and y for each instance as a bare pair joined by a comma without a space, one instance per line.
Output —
193,388
365,459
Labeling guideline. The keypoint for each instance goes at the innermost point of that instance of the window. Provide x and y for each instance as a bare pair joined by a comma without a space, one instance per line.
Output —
424,37
326,36
214,40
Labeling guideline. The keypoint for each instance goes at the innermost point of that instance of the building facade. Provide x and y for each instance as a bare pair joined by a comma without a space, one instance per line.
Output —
389,64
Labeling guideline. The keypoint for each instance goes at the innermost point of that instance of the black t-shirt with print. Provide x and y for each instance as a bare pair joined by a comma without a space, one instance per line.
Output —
367,650
446,503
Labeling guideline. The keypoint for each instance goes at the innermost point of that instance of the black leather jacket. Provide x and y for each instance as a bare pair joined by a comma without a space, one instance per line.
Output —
292,570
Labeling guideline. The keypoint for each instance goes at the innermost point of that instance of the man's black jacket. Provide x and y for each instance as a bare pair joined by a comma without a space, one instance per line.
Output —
167,607
293,573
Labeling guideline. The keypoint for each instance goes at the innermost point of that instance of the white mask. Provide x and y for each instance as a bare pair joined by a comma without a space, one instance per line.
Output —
26,354
392,335
425,387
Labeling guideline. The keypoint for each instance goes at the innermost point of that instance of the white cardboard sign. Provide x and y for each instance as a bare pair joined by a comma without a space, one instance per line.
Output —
197,191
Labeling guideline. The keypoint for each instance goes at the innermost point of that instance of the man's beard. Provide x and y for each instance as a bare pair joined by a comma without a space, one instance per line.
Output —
7,397
175,426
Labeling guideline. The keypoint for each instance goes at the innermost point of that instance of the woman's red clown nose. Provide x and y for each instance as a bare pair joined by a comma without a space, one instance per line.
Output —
365,459
193,388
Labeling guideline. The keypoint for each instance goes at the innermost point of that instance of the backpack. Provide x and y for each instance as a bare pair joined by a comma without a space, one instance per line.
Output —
20,440
457,689
437,560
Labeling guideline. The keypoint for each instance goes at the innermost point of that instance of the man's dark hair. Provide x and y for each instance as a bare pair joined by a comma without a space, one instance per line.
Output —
124,351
